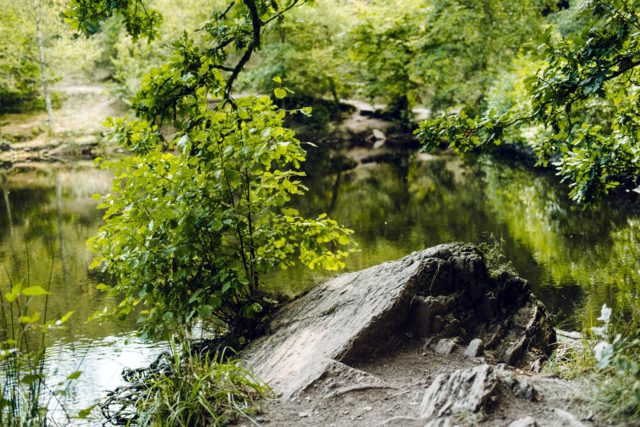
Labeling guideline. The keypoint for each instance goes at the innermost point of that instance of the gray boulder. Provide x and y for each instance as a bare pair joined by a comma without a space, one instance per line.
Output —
442,292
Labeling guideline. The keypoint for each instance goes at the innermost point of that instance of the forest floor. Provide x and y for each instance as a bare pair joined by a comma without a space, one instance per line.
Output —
390,390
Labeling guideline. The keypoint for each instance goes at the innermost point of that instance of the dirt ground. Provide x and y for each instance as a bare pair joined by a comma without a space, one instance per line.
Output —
388,391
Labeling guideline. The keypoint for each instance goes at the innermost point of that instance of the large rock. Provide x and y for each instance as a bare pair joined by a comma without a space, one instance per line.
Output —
443,292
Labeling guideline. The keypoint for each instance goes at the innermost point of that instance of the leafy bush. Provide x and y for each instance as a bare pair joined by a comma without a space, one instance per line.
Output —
191,228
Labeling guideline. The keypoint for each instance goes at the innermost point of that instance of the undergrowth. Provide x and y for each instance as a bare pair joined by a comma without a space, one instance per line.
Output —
186,389
27,393
494,256
608,357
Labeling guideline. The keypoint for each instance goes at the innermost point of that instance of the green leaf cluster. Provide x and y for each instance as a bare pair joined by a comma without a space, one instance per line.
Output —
19,67
139,19
25,392
580,112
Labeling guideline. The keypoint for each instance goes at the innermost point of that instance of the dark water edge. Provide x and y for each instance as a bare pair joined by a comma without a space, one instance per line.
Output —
575,258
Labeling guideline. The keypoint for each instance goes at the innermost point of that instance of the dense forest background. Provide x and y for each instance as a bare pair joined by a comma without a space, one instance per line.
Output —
558,77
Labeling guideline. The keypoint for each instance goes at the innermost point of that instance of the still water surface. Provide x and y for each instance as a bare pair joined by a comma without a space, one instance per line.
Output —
575,259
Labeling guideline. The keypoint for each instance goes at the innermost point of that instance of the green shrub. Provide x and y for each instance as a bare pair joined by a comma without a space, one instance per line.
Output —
190,228
618,357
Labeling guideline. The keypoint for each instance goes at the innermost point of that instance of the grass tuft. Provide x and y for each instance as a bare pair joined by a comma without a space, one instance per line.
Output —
185,389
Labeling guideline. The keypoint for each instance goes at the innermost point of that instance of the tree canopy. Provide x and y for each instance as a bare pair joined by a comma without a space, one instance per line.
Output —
580,111
200,212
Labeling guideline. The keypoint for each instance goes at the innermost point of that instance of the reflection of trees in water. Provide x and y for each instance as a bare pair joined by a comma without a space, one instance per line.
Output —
591,248
576,258
51,221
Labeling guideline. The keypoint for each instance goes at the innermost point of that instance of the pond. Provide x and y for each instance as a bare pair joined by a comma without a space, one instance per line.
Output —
576,259
46,216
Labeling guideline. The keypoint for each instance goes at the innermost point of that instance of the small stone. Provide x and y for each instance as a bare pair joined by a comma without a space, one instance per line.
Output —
524,422
567,419
303,414
345,412
445,346
475,348
367,408
462,390
519,387
514,353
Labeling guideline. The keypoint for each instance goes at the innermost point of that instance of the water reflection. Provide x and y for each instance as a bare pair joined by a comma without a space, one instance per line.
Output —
575,259
101,361
45,218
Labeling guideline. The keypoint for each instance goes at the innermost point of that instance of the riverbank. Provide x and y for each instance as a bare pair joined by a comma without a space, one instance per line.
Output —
395,206
76,134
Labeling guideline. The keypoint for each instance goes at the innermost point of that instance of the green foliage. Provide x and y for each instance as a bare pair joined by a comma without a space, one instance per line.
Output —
128,59
496,260
572,361
444,53
382,44
585,99
189,233
25,393
138,19
617,355
306,50
440,53
198,390
19,68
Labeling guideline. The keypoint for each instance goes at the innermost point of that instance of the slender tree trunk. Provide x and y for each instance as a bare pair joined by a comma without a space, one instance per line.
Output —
12,234
44,72
63,257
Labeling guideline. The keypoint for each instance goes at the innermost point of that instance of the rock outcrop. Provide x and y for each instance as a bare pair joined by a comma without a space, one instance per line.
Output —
471,390
445,292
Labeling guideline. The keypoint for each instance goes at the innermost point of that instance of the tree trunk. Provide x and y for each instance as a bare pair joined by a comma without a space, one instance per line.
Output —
44,72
